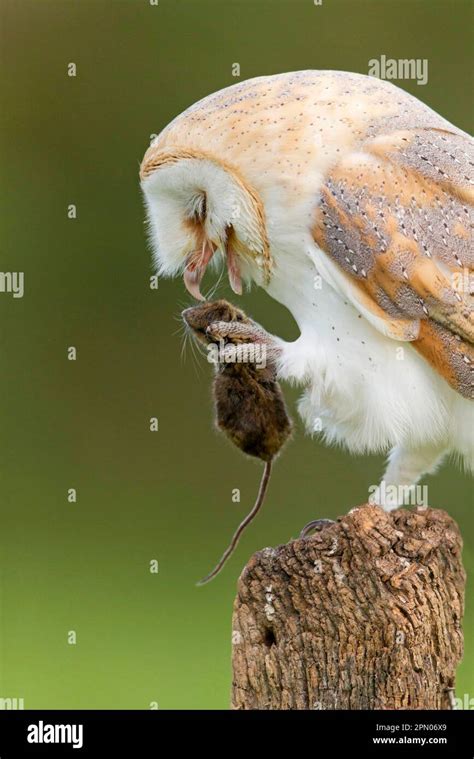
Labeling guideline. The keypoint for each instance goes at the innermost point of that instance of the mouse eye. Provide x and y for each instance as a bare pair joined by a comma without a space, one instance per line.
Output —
238,317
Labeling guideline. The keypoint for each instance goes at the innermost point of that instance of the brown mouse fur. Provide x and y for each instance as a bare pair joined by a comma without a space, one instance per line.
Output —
250,408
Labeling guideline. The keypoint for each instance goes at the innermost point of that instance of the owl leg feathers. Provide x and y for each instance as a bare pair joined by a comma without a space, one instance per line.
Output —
405,468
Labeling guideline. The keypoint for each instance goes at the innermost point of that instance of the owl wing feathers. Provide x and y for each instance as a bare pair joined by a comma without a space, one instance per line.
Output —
394,225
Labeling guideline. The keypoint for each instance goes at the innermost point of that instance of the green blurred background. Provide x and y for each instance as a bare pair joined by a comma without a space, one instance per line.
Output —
84,566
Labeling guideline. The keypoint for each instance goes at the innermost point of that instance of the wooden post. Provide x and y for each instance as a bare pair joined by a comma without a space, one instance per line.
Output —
365,614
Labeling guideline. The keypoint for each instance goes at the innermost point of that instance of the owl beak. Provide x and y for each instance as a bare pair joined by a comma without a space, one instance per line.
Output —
233,270
196,264
195,268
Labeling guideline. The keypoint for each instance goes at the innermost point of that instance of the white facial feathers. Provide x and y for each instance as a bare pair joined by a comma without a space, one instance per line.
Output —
193,200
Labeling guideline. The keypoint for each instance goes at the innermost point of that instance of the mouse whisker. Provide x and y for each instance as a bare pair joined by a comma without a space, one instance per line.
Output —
189,340
183,347
210,295
181,329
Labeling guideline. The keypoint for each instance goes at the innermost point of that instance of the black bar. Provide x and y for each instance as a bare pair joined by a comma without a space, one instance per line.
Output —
154,733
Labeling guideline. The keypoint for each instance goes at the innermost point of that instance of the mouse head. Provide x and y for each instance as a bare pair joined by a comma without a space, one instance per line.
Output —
198,318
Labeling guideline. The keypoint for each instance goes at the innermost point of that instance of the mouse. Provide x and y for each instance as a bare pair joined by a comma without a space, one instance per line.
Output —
248,401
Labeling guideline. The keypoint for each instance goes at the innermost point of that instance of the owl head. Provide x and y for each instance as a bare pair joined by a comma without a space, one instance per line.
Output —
200,210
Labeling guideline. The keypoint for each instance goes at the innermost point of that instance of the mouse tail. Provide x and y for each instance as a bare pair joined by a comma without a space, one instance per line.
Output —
240,529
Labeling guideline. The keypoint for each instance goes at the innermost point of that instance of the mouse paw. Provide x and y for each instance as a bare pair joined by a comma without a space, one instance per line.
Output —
315,524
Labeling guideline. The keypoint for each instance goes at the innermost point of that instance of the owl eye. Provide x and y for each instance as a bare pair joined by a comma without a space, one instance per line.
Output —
199,207
203,206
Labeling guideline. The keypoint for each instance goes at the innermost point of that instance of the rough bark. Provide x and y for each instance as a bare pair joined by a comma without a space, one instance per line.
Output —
365,614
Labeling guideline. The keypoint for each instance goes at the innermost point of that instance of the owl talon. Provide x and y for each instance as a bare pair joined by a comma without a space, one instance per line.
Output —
246,335
314,525
237,331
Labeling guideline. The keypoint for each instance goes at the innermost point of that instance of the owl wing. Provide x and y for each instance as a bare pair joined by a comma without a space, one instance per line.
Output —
394,231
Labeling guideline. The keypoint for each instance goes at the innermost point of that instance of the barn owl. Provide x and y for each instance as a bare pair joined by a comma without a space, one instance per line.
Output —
350,202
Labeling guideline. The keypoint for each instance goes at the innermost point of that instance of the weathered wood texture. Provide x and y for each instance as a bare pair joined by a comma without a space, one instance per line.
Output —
365,614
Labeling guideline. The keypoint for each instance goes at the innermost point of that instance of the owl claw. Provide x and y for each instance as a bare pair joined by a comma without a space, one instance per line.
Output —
314,525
